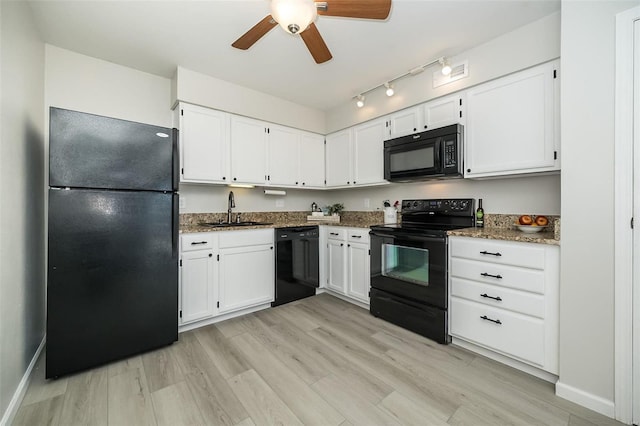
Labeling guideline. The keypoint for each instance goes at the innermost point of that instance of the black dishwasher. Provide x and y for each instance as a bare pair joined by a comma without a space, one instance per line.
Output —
297,263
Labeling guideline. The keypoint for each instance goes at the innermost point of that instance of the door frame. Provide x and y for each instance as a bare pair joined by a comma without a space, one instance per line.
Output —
624,209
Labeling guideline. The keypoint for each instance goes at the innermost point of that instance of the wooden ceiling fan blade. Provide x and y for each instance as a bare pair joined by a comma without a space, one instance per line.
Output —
315,43
249,38
368,9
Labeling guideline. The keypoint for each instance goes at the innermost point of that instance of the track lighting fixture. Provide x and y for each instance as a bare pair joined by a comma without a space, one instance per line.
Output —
446,70
389,87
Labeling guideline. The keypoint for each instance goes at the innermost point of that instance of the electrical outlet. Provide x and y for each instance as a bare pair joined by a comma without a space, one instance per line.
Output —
279,203
183,202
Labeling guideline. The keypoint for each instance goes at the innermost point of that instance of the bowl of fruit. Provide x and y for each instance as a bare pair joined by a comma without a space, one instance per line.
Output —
532,224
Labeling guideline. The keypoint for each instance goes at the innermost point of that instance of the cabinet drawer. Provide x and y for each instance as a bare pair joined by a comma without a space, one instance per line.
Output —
507,253
358,235
501,275
516,335
336,233
499,297
249,237
199,241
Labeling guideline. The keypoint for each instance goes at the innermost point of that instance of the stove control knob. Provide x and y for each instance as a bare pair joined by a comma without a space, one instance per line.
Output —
454,205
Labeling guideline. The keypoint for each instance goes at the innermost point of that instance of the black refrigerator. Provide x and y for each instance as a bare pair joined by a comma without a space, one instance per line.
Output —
112,286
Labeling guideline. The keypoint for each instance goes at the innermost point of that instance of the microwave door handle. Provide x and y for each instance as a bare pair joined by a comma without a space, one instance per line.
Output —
439,147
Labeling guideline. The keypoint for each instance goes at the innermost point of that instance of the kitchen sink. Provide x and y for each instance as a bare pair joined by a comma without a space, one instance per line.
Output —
232,224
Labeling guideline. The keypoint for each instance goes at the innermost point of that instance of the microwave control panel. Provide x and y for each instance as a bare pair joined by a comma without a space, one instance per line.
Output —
450,154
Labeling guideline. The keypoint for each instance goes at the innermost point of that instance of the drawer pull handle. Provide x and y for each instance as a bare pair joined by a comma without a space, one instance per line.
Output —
498,298
498,254
486,318
356,236
333,233
195,243
484,274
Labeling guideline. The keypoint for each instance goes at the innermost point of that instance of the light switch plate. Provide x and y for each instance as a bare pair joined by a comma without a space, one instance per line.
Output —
183,202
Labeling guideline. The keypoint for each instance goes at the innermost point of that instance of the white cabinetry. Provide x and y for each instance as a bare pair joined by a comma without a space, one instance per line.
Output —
198,291
504,298
248,151
512,124
311,160
284,154
355,156
404,122
204,144
348,262
224,272
246,269
430,115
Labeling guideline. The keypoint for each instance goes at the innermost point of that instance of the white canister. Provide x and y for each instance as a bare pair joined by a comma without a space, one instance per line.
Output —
390,215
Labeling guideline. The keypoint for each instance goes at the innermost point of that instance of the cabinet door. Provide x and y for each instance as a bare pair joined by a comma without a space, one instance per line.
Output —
358,271
338,159
510,124
311,160
405,122
248,151
204,142
368,152
336,268
198,285
443,112
283,156
246,277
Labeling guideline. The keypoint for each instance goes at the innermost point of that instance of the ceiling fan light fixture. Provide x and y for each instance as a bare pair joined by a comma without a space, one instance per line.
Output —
446,68
294,16
390,92
360,101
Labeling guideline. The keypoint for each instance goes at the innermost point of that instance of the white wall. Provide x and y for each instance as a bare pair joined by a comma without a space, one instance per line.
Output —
22,208
587,255
200,89
522,48
530,195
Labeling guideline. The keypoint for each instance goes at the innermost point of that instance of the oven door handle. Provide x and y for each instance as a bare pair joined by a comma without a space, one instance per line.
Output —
409,237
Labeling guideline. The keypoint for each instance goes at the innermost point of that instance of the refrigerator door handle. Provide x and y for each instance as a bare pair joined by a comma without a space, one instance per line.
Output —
175,218
176,159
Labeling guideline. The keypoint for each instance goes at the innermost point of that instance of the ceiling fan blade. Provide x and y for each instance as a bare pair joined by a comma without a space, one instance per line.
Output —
368,9
254,34
316,45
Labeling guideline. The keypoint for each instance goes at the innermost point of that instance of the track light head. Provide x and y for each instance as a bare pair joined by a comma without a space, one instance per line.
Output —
360,101
389,87
446,68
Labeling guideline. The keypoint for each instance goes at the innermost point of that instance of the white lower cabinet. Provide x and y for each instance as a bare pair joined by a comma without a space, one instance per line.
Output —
504,299
347,255
223,272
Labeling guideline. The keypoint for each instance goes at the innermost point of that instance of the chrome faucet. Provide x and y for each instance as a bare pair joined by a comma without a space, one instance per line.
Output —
231,205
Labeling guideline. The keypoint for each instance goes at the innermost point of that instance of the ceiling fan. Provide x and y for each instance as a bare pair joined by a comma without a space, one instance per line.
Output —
298,16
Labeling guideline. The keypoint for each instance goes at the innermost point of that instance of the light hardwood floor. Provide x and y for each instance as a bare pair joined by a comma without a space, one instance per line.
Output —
317,361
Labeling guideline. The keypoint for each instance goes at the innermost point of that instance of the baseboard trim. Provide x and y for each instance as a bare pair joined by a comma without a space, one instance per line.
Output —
586,399
223,317
11,411
345,298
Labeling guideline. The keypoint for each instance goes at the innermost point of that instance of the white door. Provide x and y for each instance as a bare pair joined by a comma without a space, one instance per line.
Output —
283,156
336,260
311,160
248,151
368,152
246,277
358,263
338,158
198,285
443,112
405,122
204,139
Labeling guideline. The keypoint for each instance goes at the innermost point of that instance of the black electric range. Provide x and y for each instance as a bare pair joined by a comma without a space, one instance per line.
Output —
409,265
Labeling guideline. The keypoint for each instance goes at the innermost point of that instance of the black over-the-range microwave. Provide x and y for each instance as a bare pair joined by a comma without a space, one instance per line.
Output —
433,154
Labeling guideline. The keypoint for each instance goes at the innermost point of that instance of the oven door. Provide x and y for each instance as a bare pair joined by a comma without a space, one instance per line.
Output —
410,266
406,159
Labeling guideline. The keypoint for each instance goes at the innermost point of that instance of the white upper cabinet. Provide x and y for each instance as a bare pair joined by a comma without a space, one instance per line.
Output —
404,122
311,160
338,159
443,112
512,124
204,144
284,145
368,152
248,150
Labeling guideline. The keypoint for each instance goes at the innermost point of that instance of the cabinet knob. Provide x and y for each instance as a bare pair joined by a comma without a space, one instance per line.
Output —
348,182
303,184
224,178
468,170
341,244
348,245
296,183
414,129
235,179
425,126
210,255
354,182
